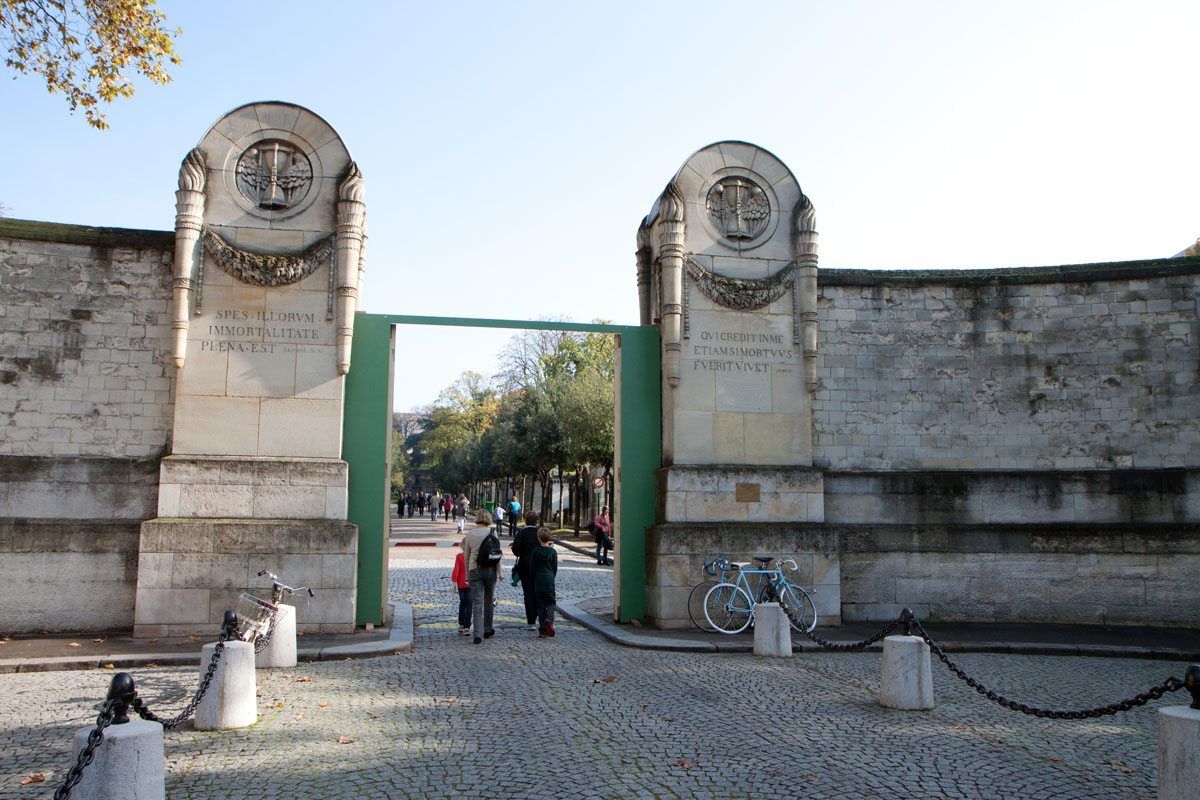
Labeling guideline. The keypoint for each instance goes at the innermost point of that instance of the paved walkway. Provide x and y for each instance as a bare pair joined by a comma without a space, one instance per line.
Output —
579,717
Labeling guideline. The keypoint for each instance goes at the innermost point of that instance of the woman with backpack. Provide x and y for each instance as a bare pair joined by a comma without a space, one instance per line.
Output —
482,555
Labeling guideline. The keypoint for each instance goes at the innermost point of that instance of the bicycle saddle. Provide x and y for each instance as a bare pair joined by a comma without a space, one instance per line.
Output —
739,564
764,560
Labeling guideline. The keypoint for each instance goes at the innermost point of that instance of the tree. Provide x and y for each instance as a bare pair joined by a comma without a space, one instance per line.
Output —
90,50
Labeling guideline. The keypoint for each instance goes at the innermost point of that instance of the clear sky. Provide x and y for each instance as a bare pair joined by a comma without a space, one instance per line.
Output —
510,149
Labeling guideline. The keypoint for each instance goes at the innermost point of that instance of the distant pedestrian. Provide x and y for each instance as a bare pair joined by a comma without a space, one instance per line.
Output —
435,504
446,508
460,513
481,550
498,514
514,515
459,577
602,533
524,542
545,569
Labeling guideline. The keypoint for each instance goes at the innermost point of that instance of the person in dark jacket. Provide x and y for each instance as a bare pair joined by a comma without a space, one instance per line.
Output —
523,545
545,568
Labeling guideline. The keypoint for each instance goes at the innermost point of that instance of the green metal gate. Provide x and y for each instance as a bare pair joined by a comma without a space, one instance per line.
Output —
367,438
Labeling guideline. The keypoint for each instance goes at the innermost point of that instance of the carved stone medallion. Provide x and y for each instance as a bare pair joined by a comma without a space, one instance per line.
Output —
274,175
739,208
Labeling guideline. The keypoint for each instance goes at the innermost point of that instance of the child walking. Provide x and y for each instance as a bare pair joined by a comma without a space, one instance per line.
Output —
459,577
545,568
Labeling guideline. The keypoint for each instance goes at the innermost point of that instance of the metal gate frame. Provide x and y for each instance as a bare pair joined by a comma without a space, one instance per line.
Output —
367,440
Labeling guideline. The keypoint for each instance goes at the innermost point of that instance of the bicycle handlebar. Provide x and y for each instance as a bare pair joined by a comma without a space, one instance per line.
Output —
791,561
277,584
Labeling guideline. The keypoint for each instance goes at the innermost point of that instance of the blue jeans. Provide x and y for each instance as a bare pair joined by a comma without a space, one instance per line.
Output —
464,608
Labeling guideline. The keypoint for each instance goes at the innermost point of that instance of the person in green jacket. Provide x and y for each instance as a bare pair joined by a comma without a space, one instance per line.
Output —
545,567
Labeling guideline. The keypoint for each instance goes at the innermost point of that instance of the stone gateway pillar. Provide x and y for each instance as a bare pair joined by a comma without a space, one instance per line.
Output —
727,268
268,261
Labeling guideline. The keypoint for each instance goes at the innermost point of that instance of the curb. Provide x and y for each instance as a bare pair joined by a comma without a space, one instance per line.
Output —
629,637
576,549
426,544
400,640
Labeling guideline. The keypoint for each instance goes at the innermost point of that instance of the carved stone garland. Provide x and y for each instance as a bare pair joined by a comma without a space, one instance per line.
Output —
742,294
266,270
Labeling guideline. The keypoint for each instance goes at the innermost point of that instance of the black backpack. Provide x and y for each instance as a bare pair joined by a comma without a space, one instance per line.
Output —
489,552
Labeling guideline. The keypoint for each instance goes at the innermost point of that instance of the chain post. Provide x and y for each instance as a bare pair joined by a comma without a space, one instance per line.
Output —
120,694
906,619
230,624
1191,682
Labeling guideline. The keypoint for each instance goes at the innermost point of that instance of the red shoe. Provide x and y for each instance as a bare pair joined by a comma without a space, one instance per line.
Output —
544,635
549,630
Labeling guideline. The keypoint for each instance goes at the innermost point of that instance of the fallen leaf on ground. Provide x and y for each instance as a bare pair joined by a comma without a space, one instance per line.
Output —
74,644
775,773
279,704
299,717
110,666
322,705
305,679
812,778
33,777
669,718
152,641
1118,765
151,663
193,638
345,740
1057,760
99,640
287,675
683,762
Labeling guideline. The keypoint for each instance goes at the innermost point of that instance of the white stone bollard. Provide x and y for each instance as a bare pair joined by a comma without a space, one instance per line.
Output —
128,764
907,681
230,701
1178,753
772,635
281,650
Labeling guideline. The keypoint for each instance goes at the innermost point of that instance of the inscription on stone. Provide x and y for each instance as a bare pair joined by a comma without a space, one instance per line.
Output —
734,351
241,331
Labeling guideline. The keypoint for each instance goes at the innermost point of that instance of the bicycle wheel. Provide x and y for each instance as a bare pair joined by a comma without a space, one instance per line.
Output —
696,604
799,607
728,608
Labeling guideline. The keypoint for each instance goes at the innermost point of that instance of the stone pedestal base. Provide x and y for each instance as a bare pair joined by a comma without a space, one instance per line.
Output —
1178,753
676,552
281,650
772,634
191,571
230,701
907,681
128,764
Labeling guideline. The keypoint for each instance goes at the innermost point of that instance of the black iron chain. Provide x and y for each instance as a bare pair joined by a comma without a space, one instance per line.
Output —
95,737
864,644
139,705
1154,693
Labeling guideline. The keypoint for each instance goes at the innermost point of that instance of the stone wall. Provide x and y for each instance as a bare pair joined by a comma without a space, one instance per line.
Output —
85,415
1062,368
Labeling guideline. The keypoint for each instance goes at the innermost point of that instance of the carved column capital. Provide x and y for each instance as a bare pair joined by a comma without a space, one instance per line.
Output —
189,218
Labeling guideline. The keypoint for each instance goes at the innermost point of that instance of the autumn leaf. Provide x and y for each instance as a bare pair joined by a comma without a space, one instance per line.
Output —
110,666
74,644
322,705
287,675
345,740
151,663
812,778
33,777
299,717
99,640
1119,765
605,679
305,679
193,638
152,641
683,762
279,704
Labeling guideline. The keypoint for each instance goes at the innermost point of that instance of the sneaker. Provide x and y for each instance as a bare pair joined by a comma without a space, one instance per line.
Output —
550,630
531,627
543,635
478,640
464,631
489,634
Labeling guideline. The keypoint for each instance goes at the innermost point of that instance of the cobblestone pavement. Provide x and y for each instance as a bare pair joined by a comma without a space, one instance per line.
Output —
578,717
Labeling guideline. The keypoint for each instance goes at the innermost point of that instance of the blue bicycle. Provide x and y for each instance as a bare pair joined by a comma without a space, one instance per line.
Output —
729,606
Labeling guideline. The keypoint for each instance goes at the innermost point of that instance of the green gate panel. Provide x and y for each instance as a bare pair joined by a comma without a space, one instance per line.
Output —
367,437
367,448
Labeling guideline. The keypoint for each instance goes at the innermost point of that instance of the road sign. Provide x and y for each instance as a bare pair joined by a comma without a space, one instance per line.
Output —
598,482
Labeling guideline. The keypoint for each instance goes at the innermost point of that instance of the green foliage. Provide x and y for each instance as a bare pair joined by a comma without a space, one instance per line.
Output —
87,49
551,406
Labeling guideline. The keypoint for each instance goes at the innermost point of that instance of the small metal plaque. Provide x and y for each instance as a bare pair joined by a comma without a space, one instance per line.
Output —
746,492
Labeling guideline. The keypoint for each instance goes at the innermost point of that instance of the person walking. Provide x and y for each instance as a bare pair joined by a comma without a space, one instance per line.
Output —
602,533
460,513
498,513
435,504
545,569
523,544
459,576
514,514
479,545
446,508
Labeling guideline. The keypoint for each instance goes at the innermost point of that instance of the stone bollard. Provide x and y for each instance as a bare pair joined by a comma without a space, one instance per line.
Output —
772,635
1179,745
230,701
129,763
281,650
907,681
